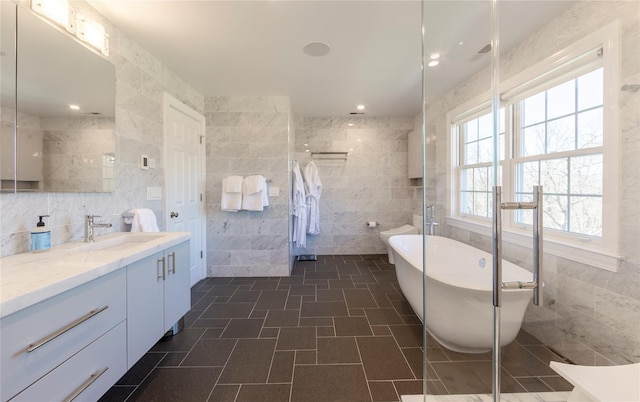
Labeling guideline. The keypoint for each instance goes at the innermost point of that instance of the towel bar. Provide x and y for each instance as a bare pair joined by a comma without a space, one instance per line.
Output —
327,155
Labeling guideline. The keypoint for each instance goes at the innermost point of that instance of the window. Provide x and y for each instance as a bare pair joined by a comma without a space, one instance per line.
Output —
476,156
560,137
558,129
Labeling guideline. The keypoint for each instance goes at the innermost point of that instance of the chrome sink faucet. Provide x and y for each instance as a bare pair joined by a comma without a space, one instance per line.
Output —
432,219
89,225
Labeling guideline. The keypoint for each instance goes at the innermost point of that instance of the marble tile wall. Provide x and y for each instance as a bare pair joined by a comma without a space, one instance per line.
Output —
141,80
591,316
74,150
372,185
247,136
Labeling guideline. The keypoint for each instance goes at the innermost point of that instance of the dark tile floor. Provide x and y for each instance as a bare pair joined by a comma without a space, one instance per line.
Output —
338,329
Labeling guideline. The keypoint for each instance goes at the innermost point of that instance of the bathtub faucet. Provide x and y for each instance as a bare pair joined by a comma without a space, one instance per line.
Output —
432,219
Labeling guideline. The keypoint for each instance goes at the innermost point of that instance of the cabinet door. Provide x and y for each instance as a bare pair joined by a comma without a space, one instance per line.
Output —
30,164
145,313
414,157
7,147
177,293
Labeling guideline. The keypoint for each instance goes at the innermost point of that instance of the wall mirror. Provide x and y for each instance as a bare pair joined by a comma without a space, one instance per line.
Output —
8,92
65,101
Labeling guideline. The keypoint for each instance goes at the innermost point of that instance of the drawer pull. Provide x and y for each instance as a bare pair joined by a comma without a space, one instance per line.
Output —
158,275
172,256
85,384
44,341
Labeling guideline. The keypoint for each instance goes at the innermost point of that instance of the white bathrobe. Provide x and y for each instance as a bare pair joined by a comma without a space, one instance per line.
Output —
314,192
300,212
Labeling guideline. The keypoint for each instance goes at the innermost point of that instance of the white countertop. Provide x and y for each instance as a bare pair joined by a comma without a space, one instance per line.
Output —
29,278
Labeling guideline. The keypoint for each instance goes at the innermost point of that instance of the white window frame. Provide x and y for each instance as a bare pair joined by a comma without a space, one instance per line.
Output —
599,252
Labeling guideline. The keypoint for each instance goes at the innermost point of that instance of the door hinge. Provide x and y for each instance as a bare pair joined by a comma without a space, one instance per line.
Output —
201,255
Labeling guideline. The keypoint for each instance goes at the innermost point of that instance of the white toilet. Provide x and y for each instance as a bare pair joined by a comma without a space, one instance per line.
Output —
402,230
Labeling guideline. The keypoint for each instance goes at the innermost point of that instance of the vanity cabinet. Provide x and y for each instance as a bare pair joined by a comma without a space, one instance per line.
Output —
158,296
104,308
45,338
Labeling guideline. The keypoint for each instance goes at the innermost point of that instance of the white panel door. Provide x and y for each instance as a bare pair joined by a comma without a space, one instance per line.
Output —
184,179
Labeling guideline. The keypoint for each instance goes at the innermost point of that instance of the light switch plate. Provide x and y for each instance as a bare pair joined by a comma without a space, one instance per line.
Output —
274,191
154,193
152,163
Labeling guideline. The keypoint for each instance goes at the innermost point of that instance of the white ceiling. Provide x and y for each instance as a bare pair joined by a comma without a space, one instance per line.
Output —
255,47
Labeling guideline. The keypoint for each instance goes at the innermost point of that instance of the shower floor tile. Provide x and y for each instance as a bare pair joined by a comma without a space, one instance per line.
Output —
338,329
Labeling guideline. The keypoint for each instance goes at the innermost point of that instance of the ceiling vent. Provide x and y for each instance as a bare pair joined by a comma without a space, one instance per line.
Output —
485,49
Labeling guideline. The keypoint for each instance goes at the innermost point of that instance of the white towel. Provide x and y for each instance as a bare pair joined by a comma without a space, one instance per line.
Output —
265,193
230,202
144,220
234,184
253,200
252,184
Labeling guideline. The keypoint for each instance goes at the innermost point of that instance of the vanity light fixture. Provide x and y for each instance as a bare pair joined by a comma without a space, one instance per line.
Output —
57,11
93,33
433,63
74,107
360,107
87,30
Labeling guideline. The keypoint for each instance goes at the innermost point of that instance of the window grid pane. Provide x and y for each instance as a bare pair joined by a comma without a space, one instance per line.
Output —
572,193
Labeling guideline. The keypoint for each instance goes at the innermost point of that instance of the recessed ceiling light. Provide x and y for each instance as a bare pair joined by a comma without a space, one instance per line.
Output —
74,107
306,150
360,107
316,49
306,145
433,63
461,43
350,124
435,56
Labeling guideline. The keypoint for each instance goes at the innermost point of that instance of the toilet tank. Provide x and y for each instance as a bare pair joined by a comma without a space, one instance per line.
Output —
417,222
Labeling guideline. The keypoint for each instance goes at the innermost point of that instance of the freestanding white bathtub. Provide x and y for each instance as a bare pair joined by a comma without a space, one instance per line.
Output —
459,297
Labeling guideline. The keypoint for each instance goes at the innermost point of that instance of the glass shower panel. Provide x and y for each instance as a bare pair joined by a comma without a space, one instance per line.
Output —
456,168
538,110
511,99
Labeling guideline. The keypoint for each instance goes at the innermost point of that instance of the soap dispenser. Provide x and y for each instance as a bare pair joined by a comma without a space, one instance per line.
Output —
40,236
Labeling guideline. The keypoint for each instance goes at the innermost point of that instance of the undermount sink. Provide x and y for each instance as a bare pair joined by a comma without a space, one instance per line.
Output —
116,240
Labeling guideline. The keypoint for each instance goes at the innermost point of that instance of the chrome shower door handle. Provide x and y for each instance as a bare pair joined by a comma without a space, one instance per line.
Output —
537,246
536,284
